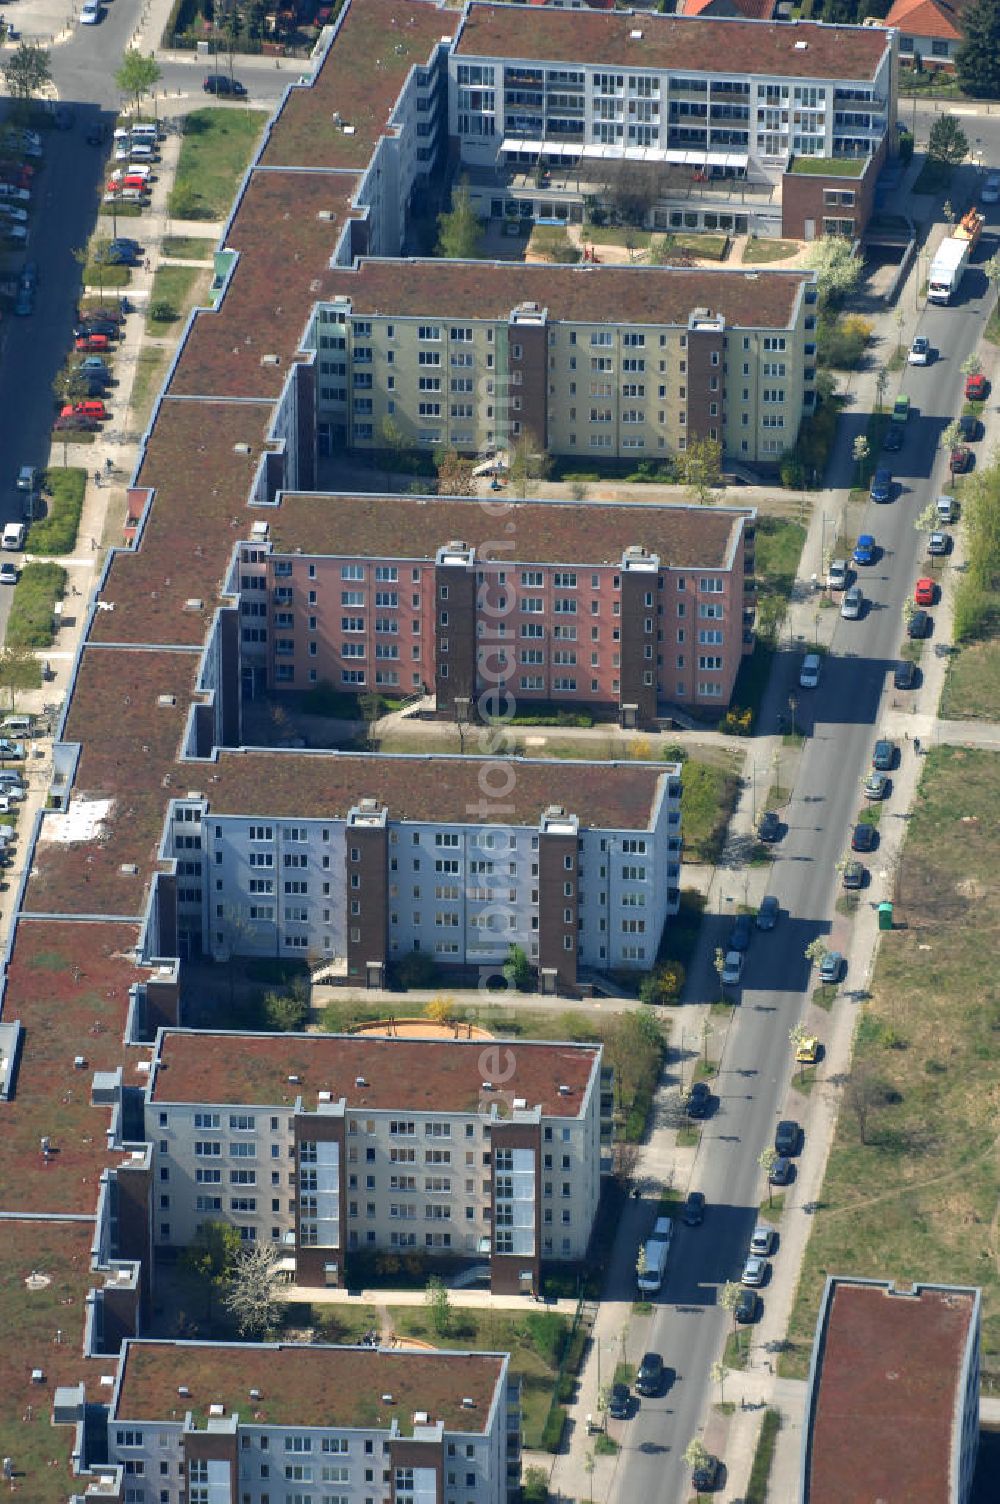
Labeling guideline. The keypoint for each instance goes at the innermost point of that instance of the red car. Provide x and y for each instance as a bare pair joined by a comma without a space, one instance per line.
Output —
93,407
961,460
924,592
93,342
976,388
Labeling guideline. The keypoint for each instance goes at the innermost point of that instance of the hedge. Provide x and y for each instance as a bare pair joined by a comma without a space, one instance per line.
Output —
31,623
56,532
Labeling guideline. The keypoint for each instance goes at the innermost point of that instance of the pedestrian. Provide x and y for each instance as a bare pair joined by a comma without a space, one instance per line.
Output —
93,543
109,464
916,745
97,477
146,264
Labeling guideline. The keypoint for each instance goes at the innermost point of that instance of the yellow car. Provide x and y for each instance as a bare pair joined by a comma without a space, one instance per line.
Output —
807,1051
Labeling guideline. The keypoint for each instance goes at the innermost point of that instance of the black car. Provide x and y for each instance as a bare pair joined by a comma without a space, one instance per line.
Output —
618,1405
747,1306
918,625
855,875
97,134
786,1137
114,256
126,243
705,1478
698,1099
884,755
882,485
969,428
741,933
223,86
769,828
781,1171
96,326
904,675
894,436
693,1214
864,837
767,914
649,1379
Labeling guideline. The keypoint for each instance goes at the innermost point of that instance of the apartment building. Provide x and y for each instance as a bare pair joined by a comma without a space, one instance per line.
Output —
371,858
892,1407
620,607
331,1146
599,362
259,1423
698,118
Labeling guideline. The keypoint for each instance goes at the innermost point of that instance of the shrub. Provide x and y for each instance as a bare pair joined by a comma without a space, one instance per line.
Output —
163,312
674,752
552,1431
31,623
535,1486
183,201
736,721
56,533
663,986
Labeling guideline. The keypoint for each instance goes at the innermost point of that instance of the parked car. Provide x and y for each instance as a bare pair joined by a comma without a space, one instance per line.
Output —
920,351
741,933
693,1214
976,387
10,194
649,1379
864,549
831,967
9,574
990,191
876,785
127,244
90,13
768,913
938,545
807,1050
919,625
106,327
732,968
900,409
970,428
780,1172
904,675
882,485
892,439
925,592
884,755
836,575
24,303
705,1478
698,1100
810,670
853,604
769,826
96,134
91,342
762,1240
754,1271
28,278
748,1302
620,1402
855,875
961,460
112,255
787,1137
864,837
94,366
9,748
223,86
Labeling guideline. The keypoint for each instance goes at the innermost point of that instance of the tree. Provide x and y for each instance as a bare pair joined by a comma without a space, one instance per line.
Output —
951,435
700,466
971,366
992,266
766,1159
816,951
641,1262
633,1048
860,451
863,1092
719,962
837,269
664,985
927,520
27,71
696,1454
948,211
18,670
287,1012
437,1302
977,62
517,970
624,1162
729,1295
460,233
947,142
881,382
797,1036
718,1372
252,1293
535,1486
527,461
454,473
210,1256
395,445
137,75
370,705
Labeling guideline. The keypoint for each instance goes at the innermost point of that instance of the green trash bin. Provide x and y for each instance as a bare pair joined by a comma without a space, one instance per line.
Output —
885,916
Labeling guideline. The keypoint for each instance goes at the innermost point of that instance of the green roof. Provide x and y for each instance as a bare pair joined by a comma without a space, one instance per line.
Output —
829,167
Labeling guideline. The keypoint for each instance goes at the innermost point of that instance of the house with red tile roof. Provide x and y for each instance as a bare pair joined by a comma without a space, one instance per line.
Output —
930,31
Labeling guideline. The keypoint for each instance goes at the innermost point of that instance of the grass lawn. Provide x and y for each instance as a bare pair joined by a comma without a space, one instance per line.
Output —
918,1199
972,688
778,550
535,1342
177,288
622,235
31,623
759,252
56,532
215,152
708,794
188,247
828,167
101,275
760,1473
150,369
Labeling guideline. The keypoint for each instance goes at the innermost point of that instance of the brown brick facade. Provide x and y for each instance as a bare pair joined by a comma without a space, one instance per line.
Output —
807,199
455,636
426,1454
135,1239
528,366
506,1268
212,1446
705,403
557,910
311,1263
366,882
638,647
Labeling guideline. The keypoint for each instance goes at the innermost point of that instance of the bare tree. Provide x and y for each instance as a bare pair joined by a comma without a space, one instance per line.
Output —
252,1297
863,1092
625,1162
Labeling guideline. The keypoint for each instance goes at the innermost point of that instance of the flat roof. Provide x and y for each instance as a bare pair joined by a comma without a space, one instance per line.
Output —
678,44
337,120
286,229
68,985
556,532
199,460
307,1386
45,1276
581,294
887,1385
127,774
430,789
410,1075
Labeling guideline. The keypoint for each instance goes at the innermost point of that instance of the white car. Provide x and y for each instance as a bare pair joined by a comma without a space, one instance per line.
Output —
809,672
8,574
12,211
90,13
14,195
853,603
990,191
732,968
836,577
920,351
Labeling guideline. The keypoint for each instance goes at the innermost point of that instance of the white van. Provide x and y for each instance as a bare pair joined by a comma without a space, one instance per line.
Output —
945,509
142,151
17,725
13,536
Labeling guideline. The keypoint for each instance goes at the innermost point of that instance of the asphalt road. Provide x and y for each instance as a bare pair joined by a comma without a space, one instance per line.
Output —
840,720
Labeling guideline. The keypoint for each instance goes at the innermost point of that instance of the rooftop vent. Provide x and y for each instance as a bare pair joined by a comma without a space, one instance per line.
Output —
420,1417
801,46
270,360
487,1085
565,1091
255,1394
468,1403
165,701
241,448
324,1096
129,868
216,1410
144,1066
360,1081
38,1376
193,603
368,805
295,1080
328,215
520,1103
556,811
349,130
259,530
387,1399
80,1062
183,1391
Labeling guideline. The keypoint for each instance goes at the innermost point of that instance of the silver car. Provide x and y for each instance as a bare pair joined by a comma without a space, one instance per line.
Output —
809,672
754,1272
852,605
762,1240
836,576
